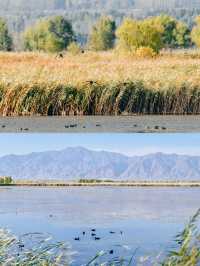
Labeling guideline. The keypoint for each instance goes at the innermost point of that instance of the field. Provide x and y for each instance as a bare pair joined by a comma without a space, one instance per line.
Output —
99,84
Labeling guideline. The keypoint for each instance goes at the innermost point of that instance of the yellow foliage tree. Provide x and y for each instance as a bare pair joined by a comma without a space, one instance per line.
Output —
195,35
133,34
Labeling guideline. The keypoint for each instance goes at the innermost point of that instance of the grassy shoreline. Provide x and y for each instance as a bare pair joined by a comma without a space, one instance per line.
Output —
101,83
105,184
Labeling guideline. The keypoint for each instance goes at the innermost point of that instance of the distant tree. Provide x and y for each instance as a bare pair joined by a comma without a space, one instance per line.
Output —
183,35
156,33
49,35
195,35
174,33
151,36
7,180
133,34
35,37
167,26
5,37
102,37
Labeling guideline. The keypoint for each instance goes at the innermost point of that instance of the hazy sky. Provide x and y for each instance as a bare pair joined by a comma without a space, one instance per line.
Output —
130,144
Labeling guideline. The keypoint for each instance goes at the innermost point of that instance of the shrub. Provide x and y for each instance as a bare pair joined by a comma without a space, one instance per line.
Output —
145,52
74,48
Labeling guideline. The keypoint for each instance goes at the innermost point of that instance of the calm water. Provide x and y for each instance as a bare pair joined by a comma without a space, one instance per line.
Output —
148,217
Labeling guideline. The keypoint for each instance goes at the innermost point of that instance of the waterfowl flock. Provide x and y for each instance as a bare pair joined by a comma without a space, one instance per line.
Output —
93,234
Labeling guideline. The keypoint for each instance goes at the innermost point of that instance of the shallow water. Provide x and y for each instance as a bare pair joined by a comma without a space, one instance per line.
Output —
148,217
122,124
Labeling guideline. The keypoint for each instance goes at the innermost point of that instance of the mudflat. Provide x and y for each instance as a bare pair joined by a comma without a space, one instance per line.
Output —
92,124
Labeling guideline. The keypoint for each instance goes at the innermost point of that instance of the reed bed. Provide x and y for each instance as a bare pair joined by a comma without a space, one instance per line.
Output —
32,249
99,84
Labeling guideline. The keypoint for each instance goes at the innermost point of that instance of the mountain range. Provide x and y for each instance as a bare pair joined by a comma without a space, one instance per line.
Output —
77,162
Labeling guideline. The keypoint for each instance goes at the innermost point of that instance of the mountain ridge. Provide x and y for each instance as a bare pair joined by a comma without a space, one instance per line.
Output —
74,163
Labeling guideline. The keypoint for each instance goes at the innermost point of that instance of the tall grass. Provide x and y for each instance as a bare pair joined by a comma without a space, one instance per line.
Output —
98,99
32,250
188,241
99,84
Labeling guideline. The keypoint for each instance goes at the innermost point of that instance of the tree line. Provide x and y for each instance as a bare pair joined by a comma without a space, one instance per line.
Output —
56,34
6,180
9,5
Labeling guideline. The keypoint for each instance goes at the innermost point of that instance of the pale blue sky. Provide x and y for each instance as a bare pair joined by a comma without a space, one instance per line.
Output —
130,144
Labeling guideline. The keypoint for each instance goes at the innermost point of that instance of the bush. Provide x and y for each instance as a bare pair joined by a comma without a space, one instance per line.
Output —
74,48
145,52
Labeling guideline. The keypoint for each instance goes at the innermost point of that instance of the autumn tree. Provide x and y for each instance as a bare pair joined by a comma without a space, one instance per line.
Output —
174,33
49,35
102,37
196,33
5,37
133,34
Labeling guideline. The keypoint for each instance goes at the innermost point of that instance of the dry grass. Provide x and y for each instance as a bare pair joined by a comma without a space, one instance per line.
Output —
29,68
99,83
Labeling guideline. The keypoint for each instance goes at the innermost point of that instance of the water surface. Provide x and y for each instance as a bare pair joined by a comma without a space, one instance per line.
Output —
143,218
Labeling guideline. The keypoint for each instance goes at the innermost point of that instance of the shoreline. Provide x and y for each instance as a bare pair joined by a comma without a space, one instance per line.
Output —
105,184
101,124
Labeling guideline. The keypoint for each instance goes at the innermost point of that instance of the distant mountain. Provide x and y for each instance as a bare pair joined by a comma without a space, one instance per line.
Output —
76,163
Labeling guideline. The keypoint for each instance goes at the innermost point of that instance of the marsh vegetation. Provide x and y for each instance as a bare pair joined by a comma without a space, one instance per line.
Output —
100,83
130,69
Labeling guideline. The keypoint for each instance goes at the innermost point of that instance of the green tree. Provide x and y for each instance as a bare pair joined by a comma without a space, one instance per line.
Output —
195,35
183,35
133,34
8,180
5,38
174,33
35,37
49,35
102,37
